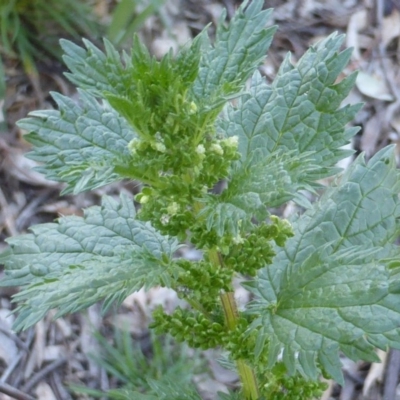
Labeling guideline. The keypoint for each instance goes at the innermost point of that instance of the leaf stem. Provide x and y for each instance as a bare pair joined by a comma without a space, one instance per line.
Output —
246,374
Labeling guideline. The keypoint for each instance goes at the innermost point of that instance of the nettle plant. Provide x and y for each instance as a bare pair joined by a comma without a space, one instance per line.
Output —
325,283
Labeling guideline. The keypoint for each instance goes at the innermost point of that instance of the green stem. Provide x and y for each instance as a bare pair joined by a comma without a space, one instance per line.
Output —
197,306
249,381
246,374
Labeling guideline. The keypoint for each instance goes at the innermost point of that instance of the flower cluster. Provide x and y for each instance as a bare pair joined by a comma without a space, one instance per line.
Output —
240,343
177,153
190,326
202,281
276,384
250,253
184,174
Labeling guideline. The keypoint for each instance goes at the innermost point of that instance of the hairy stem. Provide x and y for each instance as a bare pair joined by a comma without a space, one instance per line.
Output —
246,374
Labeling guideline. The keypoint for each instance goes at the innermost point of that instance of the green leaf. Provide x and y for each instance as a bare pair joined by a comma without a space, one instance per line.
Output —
95,71
69,265
239,49
110,73
290,135
166,390
230,396
125,361
331,287
80,143
157,89
126,18
299,111
229,215
258,183
275,178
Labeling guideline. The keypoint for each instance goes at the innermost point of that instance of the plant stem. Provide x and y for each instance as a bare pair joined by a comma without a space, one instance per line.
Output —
246,374
249,381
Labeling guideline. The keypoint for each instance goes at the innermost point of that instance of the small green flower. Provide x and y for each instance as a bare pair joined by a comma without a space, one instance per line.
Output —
173,208
144,199
159,147
133,145
238,240
200,149
232,142
192,108
165,219
217,149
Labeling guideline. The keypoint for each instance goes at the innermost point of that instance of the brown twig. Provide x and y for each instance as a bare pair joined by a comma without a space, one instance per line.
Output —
230,8
42,373
17,360
393,108
58,388
392,375
11,367
20,343
15,393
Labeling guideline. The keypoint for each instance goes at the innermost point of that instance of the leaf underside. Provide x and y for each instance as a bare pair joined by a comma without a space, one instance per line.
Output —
78,261
331,287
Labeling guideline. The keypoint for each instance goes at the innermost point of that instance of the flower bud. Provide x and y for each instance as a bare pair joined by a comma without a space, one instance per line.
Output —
164,219
217,149
159,146
133,145
192,108
232,142
144,199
